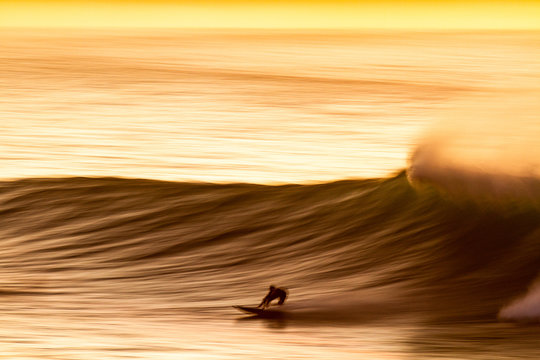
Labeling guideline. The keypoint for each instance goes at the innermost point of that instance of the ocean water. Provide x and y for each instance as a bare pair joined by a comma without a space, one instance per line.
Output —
153,179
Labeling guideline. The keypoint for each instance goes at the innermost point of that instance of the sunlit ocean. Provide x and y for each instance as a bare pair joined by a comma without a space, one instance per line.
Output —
151,179
225,106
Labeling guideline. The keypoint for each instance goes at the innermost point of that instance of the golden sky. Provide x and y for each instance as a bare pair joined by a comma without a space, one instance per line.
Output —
413,14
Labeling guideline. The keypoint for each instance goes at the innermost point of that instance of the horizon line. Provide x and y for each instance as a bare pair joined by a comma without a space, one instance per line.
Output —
284,28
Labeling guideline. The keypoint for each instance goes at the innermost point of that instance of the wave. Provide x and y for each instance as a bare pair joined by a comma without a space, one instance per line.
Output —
220,244
472,183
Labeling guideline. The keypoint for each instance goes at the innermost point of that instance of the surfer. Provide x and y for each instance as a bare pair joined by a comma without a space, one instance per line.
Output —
273,293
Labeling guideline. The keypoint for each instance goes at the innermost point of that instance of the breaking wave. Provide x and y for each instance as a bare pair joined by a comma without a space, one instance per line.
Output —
351,245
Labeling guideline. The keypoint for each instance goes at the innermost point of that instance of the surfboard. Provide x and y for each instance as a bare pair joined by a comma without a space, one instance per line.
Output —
270,313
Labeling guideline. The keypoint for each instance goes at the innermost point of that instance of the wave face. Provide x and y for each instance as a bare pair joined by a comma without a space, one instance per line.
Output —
207,246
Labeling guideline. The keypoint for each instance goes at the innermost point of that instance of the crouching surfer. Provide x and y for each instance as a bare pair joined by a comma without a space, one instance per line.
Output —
273,293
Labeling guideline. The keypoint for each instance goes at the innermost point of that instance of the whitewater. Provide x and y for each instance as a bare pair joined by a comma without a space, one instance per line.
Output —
151,181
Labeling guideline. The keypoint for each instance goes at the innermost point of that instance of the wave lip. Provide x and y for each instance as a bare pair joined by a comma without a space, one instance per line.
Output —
471,183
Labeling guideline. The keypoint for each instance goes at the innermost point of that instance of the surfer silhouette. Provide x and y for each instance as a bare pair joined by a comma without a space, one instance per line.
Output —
273,293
